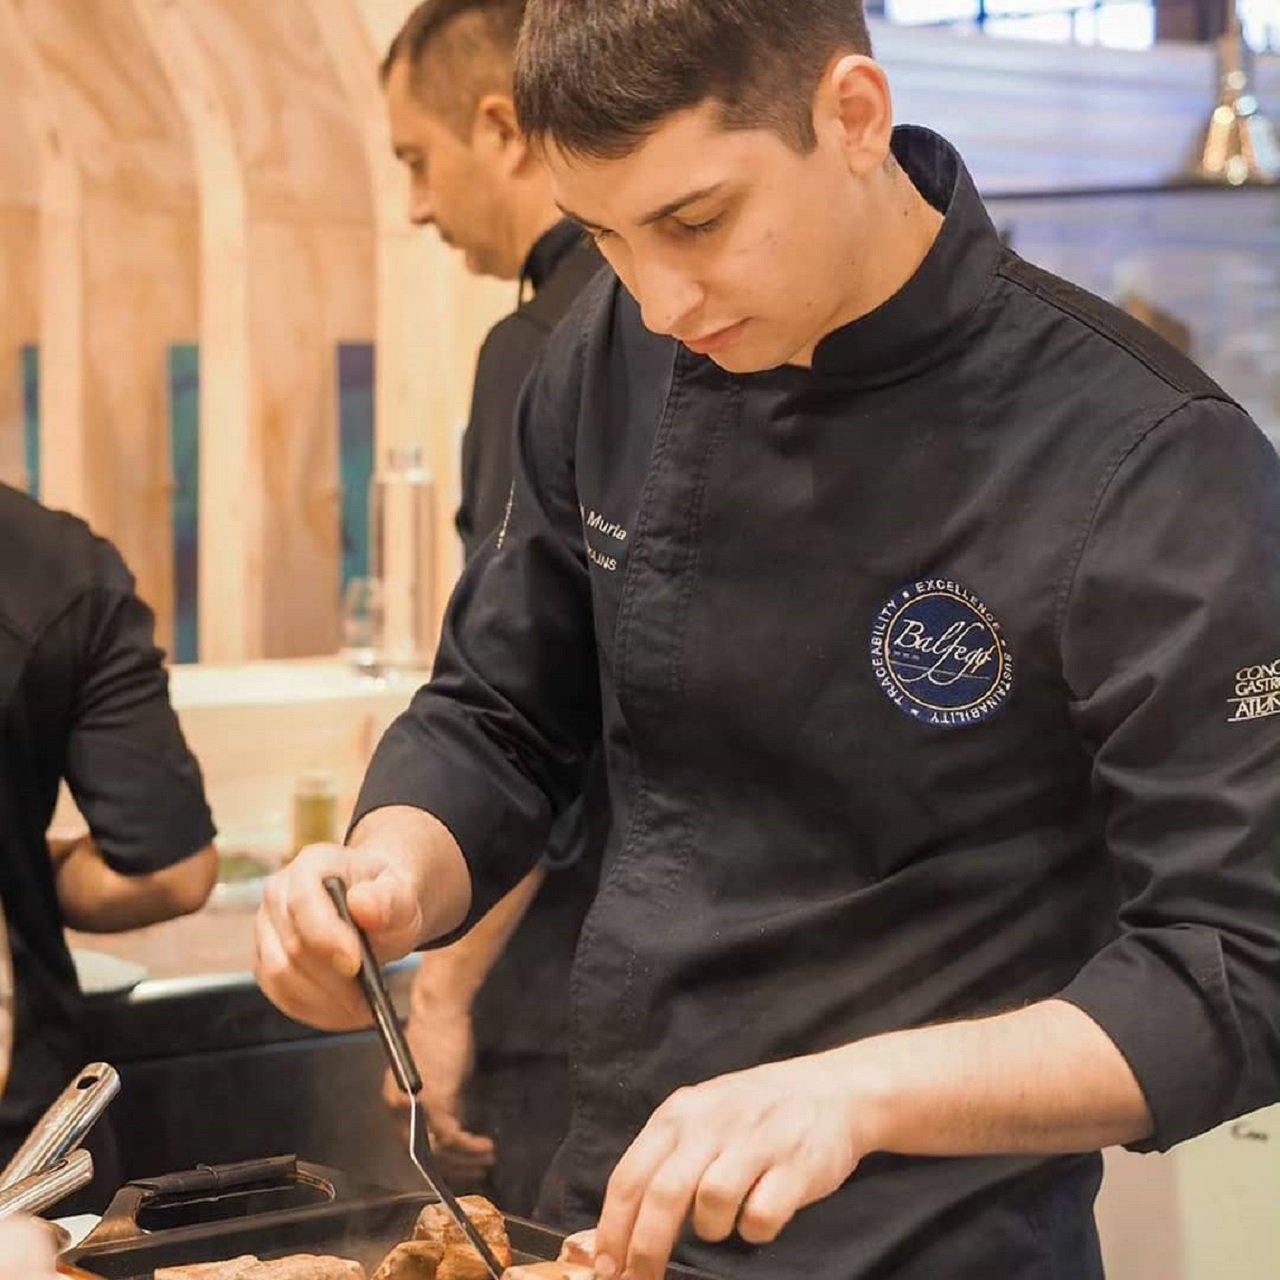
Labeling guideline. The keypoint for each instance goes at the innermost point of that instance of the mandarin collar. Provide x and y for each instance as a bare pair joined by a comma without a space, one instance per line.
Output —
907,331
550,249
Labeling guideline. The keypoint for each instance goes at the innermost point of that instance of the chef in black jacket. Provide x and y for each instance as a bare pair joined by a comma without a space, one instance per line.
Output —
84,697
496,1126
929,610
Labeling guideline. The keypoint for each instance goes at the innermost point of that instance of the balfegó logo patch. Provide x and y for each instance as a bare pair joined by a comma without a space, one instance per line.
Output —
938,655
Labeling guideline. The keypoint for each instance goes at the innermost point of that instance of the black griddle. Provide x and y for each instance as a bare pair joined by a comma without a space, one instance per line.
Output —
271,1207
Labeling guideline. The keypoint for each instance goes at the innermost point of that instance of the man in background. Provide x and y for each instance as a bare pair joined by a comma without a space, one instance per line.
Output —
489,1015
83,697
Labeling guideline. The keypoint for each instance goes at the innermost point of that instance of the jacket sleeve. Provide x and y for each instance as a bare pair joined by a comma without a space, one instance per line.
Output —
494,745
1171,650
127,763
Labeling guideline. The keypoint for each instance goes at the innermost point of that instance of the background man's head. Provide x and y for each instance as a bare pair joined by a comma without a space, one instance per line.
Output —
772,111
448,80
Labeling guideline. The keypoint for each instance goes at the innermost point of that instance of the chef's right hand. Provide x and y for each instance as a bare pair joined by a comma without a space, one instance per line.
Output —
305,957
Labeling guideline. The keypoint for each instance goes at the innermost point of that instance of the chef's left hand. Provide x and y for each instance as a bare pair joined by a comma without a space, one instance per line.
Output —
744,1151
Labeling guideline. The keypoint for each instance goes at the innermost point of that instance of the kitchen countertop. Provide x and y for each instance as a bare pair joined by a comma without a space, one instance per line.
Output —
196,991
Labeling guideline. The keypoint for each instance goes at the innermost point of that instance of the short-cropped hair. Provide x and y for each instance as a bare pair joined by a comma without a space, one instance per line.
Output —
457,51
596,77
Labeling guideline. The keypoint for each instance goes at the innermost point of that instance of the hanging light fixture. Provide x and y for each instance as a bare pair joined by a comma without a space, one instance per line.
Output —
1239,145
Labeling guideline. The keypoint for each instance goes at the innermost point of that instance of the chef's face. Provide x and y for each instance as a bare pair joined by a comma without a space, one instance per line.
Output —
454,184
734,242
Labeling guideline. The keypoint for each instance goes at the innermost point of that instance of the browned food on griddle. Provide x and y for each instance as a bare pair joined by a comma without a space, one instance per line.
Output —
308,1266
231,1269
548,1271
412,1260
297,1266
461,1261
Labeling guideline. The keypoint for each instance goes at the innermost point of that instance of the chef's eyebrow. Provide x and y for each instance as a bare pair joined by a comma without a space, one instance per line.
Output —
672,206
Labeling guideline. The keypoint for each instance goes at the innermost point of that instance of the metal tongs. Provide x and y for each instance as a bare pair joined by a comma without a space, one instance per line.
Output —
51,1164
406,1073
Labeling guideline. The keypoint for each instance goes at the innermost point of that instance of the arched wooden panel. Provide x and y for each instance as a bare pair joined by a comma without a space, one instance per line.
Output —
117,270
19,257
58,264
310,257
230,552
431,314
288,245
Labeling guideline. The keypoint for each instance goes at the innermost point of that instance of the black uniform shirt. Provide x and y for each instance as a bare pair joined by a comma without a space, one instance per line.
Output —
83,696
935,680
523,1005
558,267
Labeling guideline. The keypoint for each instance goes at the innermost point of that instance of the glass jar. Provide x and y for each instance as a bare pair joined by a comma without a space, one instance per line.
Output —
401,507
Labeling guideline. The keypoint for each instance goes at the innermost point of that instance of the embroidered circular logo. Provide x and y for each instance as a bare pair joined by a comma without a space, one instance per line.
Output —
938,655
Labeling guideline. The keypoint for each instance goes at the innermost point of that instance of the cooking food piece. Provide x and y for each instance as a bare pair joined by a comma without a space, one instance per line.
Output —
231,1269
460,1260
548,1271
297,1266
307,1266
412,1260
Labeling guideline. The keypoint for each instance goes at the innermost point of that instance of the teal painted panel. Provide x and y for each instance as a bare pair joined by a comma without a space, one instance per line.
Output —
184,445
31,417
356,363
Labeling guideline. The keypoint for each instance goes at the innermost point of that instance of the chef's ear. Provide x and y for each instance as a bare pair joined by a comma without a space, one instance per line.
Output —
496,131
854,107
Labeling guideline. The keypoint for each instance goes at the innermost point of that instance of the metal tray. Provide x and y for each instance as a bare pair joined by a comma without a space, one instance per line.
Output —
271,1208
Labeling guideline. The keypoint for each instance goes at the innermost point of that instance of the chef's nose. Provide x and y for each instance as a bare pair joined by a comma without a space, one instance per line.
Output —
422,208
667,296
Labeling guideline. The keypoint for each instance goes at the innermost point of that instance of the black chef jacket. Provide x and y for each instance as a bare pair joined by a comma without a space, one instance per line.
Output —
522,1008
934,680
83,696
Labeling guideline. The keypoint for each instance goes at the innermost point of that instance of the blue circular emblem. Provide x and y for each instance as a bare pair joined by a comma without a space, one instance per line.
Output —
938,655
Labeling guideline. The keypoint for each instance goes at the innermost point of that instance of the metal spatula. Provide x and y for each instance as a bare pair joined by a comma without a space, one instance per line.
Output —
407,1077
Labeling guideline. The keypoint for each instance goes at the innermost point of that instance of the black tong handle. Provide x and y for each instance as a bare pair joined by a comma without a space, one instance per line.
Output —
375,992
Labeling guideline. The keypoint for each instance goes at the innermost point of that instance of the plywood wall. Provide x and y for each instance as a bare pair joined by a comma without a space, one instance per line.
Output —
287,273
116,271
218,172
19,261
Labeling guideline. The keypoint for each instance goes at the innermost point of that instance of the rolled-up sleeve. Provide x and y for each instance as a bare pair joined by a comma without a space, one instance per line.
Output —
494,745
1171,650
128,766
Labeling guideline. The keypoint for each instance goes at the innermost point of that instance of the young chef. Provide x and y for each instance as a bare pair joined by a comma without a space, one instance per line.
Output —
923,603
501,993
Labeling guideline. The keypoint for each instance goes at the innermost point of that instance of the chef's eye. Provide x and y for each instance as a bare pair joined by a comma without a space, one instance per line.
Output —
598,233
698,228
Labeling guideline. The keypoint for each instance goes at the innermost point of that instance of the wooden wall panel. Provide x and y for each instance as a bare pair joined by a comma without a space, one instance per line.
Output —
117,271
59,229
19,321
19,259
287,251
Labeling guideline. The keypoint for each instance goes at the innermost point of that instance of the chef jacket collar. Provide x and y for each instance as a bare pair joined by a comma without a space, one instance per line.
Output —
550,249
908,329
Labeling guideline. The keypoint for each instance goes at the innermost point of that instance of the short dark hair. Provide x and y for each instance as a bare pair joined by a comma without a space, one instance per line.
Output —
457,51
597,76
